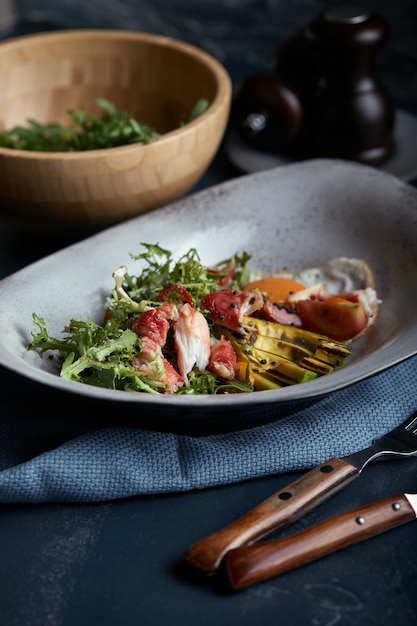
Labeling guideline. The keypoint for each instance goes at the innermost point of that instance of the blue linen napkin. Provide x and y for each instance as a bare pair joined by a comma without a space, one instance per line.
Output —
47,457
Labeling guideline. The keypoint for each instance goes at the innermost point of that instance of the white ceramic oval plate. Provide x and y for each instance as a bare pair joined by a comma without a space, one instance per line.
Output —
293,216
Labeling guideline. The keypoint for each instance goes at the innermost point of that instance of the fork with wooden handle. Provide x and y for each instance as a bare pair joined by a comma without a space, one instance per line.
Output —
298,498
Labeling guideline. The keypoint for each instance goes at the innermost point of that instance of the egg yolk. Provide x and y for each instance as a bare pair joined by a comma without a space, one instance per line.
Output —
277,289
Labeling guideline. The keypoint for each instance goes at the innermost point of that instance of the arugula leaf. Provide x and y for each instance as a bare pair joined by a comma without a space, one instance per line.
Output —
86,132
199,108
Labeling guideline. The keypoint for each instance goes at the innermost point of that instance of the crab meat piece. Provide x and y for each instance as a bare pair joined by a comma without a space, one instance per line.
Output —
145,362
228,307
192,340
152,326
222,360
281,314
169,310
155,323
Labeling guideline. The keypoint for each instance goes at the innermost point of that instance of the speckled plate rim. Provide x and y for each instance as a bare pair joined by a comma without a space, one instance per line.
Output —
294,215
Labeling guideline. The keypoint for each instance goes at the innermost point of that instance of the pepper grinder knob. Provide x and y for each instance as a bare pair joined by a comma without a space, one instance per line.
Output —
352,112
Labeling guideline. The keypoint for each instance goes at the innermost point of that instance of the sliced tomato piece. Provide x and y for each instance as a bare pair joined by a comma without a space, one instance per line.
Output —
351,296
174,293
336,318
343,300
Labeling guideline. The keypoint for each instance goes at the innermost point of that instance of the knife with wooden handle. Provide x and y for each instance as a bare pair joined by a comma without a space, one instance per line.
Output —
249,565
282,508
299,497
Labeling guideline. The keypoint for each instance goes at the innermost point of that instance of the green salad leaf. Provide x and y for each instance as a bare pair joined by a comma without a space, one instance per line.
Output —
199,108
103,355
87,132
161,270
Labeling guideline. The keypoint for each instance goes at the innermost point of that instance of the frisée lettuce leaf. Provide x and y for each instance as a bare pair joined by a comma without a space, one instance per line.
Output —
97,355
103,355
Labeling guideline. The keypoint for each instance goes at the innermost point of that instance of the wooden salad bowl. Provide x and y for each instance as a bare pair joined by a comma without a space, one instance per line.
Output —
161,79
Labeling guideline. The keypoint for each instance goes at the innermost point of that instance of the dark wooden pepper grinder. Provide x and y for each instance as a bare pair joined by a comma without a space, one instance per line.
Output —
352,114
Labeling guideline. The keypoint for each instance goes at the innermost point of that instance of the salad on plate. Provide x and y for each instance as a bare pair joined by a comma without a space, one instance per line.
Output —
180,327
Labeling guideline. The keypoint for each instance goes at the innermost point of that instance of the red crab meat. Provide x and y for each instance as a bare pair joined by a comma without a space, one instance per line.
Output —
228,307
152,324
280,314
143,362
155,323
222,361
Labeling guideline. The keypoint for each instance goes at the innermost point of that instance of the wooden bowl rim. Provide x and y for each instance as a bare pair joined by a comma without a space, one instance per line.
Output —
223,95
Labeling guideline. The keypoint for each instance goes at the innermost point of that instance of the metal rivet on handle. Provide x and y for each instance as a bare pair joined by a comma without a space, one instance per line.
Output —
396,506
360,520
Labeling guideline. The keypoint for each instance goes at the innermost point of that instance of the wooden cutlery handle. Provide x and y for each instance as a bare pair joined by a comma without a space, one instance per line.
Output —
252,564
280,509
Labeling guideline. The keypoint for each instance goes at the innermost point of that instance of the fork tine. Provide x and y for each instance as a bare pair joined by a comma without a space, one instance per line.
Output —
410,424
402,440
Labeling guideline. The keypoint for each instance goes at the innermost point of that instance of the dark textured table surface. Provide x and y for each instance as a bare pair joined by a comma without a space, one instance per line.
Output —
119,562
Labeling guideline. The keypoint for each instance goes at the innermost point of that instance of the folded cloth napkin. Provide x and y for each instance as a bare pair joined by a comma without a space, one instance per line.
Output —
49,457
